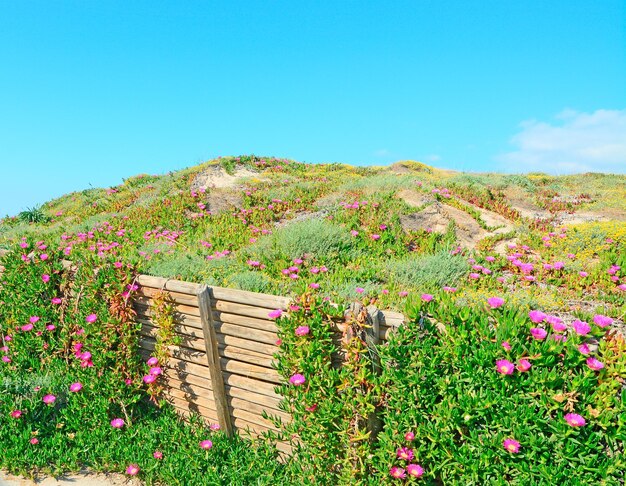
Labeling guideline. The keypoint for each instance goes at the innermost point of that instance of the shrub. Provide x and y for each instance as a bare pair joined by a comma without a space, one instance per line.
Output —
427,272
33,215
249,280
316,238
443,386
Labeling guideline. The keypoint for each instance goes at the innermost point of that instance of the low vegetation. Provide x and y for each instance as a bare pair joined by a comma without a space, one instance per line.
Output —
509,369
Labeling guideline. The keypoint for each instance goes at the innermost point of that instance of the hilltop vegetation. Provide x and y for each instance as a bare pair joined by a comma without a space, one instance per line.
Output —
509,369
240,222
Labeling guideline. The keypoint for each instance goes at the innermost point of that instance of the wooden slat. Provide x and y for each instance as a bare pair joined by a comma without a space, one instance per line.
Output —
185,406
185,299
259,348
168,284
203,397
268,301
185,368
261,324
246,333
180,308
175,379
246,356
218,293
257,409
226,351
146,312
250,371
196,385
241,309
254,418
143,307
192,398
180,329
182,366
184,339
214,360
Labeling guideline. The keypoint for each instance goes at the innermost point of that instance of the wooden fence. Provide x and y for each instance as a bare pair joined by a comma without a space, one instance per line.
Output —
221,367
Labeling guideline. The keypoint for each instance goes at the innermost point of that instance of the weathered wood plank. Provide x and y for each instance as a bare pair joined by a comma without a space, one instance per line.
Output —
250,298
214,360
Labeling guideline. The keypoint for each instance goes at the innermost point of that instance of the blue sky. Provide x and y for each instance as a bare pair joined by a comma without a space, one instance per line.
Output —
92,92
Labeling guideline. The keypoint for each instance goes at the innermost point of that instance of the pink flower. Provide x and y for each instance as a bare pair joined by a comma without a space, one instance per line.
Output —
523,365
556,323
506,345
132,470
156,371
76,387
538,333
495,302
584,349
511,445
474,276
45,277
602,321
405,453
409,436
537,316
91,318
206,445
44,256
297,379
427,297
583,274
27,327
275,314
117,423
354,233
56,301
34,441
6,359
16,414
49,399
302,330
581,328
314,285
594,364
50,327
375,237
147,379
157,455
575,420
397,472
214,427
152,361
360,290
505,367
415,470
34,319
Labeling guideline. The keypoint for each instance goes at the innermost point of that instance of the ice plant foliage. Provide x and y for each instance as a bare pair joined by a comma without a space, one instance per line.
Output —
72,335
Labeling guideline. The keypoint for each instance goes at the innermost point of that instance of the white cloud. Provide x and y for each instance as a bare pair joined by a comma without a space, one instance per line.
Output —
577,142
432,158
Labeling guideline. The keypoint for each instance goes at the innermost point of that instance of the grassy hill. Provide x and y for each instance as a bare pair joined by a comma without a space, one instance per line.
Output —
242,221
510,367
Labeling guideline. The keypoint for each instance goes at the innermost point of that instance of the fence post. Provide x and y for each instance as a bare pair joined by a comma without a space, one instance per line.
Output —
368,320
213,359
